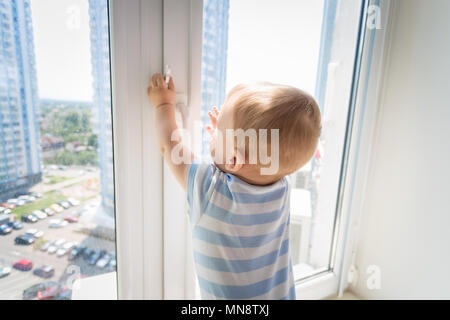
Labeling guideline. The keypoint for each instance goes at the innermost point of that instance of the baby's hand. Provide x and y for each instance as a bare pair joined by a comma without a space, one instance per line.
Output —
213,116
159,93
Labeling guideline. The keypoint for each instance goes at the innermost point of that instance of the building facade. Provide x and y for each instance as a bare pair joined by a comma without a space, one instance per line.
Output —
214,59
20,151
99,36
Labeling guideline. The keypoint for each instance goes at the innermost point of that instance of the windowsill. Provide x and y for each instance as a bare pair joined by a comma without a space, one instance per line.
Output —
102,287
347,295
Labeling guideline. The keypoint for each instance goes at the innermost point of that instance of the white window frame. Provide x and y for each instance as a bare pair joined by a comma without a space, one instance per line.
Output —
364,100
136,42
151,224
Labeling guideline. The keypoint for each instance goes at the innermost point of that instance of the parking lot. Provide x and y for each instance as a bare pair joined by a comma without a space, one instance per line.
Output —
13,285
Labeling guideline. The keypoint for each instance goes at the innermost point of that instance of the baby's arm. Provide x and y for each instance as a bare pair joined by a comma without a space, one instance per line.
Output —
162,97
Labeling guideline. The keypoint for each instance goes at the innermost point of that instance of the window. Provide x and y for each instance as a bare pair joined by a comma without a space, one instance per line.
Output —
311,45
56,158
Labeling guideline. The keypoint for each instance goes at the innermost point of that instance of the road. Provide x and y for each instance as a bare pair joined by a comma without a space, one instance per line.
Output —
12,286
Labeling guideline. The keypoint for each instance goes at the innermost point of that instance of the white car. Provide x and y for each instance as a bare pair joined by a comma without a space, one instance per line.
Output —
49,211
39,214
73,202
5,210
65,204
103,261
57,223
52,249
68,245
4,271
45,246
61,252
12,201
24,198
59,242
20,203
35,233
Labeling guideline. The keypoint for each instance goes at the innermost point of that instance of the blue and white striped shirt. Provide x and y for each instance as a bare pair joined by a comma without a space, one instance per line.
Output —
240,235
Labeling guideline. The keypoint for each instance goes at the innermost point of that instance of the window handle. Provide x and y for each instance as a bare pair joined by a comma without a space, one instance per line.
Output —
181,103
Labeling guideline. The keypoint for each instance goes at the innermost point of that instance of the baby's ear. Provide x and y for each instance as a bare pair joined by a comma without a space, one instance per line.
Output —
236,163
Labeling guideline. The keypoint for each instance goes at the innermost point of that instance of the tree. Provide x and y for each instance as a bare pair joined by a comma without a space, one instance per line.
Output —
92,141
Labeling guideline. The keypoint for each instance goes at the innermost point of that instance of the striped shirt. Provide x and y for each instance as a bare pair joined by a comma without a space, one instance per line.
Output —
240,235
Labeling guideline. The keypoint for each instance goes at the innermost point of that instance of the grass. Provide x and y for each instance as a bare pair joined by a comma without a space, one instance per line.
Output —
48,199
39,243
56,179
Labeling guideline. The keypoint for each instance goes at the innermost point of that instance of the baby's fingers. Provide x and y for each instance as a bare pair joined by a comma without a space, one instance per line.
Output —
210,129
216,111
213,119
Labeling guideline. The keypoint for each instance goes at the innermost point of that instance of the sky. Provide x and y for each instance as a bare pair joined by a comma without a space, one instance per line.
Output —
269,40
62,46
274,40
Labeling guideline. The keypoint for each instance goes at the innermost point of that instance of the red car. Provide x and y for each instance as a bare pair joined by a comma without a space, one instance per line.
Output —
23,265
10,206
51,292
71,218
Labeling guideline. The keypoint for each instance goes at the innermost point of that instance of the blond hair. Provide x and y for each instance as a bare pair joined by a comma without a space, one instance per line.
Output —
271,106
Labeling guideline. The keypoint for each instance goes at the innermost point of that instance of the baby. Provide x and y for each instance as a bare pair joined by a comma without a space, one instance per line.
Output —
239,204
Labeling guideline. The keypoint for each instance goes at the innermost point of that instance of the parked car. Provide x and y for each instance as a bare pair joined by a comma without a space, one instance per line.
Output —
36,194
52,249
23,265
4,271
59,242
6,210
57,208
5,229
12,201
8,205
96,256
64,204
39,214
49,211
103,261
44,272
20,203
16,225
71,218
35,233
112,263
73,202
76,252
45,246
52,292
32,291
87,253
24,239
68,245
61,252
25,198
29,218
57,223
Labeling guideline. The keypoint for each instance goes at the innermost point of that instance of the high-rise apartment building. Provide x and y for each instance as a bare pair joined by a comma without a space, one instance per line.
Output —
20,153
214,58
99,34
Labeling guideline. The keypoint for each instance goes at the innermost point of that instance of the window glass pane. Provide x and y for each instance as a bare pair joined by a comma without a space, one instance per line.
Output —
298,43
56,163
